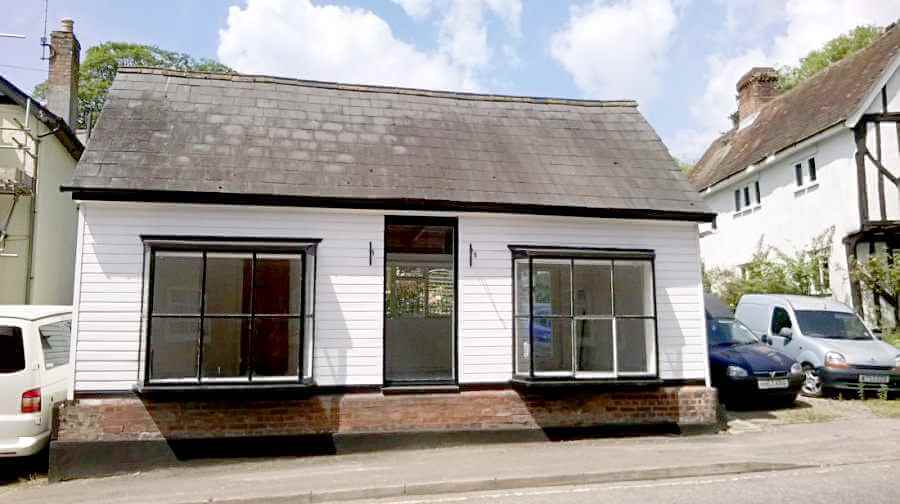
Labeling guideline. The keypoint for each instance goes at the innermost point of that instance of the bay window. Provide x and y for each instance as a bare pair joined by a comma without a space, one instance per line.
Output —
583,313
221,312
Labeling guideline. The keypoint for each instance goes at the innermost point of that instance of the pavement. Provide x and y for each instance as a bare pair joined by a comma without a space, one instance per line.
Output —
477,472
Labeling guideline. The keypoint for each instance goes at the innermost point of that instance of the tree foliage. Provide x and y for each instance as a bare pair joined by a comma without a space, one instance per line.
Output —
771,271
833,51
102,61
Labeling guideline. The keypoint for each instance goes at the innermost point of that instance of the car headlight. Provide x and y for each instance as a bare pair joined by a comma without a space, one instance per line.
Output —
835,360
736,372
796,368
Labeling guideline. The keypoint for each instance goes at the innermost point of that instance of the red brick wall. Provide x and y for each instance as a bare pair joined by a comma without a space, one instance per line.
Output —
134,418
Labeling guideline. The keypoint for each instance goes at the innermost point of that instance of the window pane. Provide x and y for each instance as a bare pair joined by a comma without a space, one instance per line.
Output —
277,284
522,286
440,292
798,174
552,345
737,200
276,347
812,169
226,347
310,283
747,196
635,345
758,193
780,320
633,284
595,345
228,282
173,347
308,349
523,346
552,287
593,288
176,282
12,350
55,339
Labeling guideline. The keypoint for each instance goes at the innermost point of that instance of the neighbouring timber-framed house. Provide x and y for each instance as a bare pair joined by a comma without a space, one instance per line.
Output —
821,158
261,257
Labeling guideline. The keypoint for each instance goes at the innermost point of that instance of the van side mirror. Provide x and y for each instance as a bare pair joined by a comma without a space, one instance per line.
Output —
786,332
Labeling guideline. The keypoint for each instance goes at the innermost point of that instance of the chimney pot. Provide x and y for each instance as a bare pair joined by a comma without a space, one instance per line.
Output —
756,88
62,81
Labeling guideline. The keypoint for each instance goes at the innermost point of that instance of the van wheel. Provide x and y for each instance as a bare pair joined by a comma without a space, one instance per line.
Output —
812,385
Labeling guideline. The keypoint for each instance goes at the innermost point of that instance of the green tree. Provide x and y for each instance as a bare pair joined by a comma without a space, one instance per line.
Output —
102,61
880,274
833,51
684,167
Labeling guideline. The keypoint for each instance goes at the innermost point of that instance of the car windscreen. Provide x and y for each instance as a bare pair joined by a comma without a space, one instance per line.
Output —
729,332
12,351
831,325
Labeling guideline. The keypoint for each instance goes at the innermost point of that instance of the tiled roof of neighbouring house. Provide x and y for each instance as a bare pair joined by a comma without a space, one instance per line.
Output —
817,104
241,138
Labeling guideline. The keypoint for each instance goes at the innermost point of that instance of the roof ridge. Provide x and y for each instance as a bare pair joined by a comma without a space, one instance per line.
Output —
374,88
829,69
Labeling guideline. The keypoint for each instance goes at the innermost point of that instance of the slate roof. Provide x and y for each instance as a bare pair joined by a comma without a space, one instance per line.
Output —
183,136
821,102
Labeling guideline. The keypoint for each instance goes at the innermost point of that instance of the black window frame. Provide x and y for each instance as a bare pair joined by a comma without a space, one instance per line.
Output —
305,247
758,192
798,174
811,167
746,196
532,252
737,200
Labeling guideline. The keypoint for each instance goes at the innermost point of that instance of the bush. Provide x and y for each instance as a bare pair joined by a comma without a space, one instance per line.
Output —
771,271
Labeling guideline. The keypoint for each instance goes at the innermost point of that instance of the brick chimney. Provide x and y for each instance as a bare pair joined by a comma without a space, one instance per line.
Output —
756,88
62,83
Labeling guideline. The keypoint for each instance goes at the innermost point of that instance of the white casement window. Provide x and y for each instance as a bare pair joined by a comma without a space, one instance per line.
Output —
583,314
806,177
747,199
219,313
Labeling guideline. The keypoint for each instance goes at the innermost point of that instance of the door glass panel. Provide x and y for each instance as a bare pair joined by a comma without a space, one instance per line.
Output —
634,345
593,287
552,287
228,282
595,346
419,303
226,347
177,277
552,345
276,347
633,283
174,343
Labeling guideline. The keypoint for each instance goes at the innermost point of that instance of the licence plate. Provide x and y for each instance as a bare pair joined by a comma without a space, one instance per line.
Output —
874,378
772,384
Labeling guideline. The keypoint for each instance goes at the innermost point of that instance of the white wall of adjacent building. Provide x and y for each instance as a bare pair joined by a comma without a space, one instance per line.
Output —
54,219
349,300
789,216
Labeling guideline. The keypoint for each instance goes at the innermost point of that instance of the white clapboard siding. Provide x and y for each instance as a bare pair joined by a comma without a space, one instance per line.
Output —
486,286
348,347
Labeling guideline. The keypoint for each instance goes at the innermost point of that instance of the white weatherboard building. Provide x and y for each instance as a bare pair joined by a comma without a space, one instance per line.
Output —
822,157
506,263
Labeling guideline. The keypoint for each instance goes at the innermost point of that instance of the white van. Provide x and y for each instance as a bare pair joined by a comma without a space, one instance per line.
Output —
34,374
835,348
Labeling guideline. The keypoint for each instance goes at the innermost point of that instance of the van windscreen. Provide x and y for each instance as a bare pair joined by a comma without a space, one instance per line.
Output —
12,352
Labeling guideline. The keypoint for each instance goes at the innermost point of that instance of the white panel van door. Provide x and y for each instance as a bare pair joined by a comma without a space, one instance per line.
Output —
18,373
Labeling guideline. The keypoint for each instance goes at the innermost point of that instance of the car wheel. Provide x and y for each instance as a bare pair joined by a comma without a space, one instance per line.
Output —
812,384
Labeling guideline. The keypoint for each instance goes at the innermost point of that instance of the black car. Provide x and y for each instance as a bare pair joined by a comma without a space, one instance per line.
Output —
741,366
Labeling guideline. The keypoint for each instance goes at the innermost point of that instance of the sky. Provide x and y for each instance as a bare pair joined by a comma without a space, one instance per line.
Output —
680,59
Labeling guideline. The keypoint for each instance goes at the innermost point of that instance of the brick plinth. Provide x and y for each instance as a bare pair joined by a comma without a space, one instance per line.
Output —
134,418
